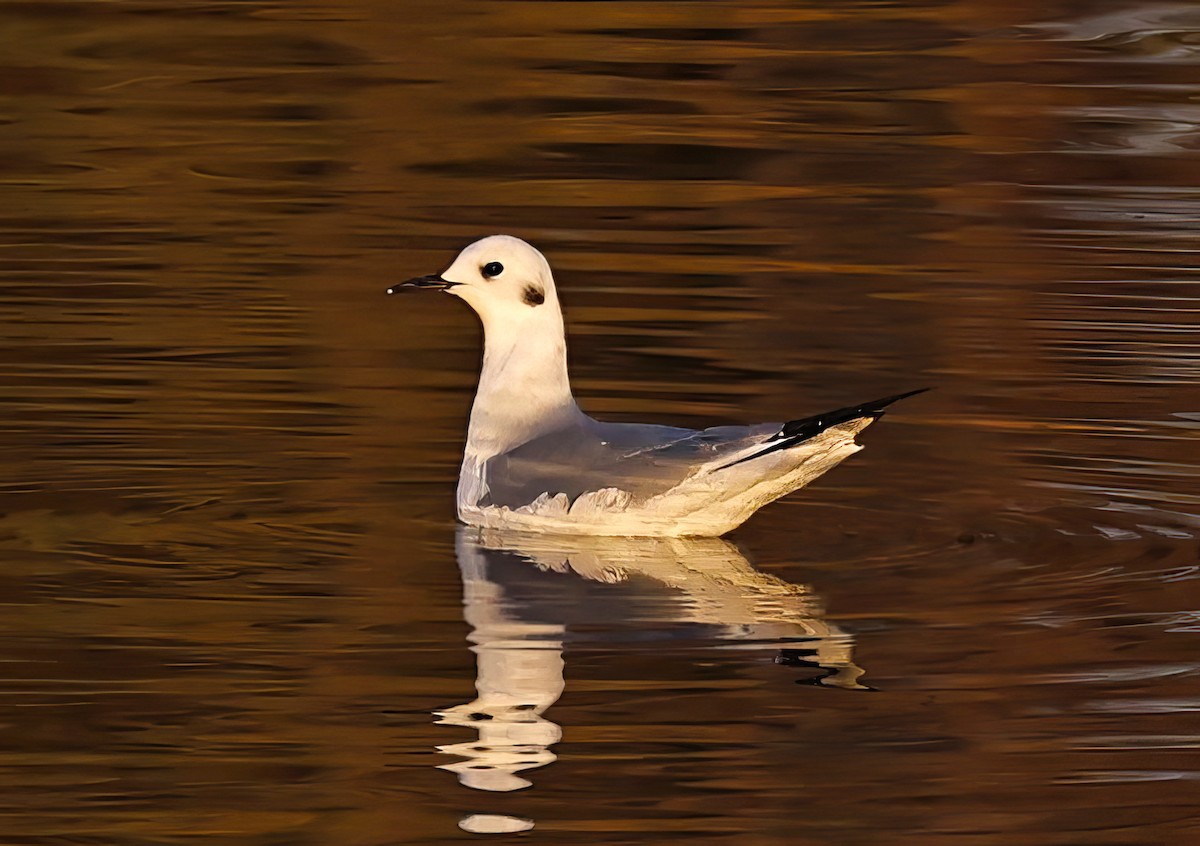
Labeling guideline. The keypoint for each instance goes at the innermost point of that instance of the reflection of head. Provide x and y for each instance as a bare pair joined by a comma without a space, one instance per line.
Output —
494,824
517,681
519,675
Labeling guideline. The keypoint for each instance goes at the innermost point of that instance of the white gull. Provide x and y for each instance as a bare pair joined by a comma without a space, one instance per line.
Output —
535,462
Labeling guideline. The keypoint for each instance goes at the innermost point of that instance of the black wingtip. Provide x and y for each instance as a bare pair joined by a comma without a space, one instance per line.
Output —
798,431
807,427
880,404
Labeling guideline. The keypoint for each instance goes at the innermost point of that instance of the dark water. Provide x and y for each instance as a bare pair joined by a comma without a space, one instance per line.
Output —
232,590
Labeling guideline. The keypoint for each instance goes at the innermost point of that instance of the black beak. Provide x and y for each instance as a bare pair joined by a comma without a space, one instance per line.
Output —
434,282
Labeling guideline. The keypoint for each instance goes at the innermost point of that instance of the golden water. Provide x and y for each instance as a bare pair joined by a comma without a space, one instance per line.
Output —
232,596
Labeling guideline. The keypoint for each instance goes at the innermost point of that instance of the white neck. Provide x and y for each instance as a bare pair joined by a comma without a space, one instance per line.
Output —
524,390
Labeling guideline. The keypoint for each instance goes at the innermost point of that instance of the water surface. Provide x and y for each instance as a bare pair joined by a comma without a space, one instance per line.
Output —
234,590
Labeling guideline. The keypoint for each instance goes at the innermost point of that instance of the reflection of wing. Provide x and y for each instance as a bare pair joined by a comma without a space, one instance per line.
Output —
587,456
717,586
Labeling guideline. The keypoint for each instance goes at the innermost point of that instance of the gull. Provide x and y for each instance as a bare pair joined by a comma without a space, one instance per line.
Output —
535,462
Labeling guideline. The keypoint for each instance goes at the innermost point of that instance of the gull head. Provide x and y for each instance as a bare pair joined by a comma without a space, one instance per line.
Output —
524,389
501,277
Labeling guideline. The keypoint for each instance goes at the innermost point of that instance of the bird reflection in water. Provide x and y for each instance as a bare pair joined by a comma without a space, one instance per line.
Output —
525,595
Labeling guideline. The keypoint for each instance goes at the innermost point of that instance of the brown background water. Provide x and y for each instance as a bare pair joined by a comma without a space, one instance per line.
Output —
231,595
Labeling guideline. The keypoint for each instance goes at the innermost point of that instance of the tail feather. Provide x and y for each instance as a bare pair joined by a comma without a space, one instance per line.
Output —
796,432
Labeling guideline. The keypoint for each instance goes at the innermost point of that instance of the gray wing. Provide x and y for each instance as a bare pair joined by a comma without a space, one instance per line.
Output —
645,460
642,460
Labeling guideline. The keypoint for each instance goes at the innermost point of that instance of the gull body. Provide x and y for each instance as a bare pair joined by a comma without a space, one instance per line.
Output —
535,462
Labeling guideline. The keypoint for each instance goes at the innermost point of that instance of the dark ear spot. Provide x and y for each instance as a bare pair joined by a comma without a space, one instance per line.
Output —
533,296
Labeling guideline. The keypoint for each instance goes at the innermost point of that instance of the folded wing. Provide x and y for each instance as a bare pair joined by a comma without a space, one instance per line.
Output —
642,461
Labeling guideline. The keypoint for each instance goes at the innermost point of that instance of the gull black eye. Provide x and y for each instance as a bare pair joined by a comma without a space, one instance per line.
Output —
492,268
